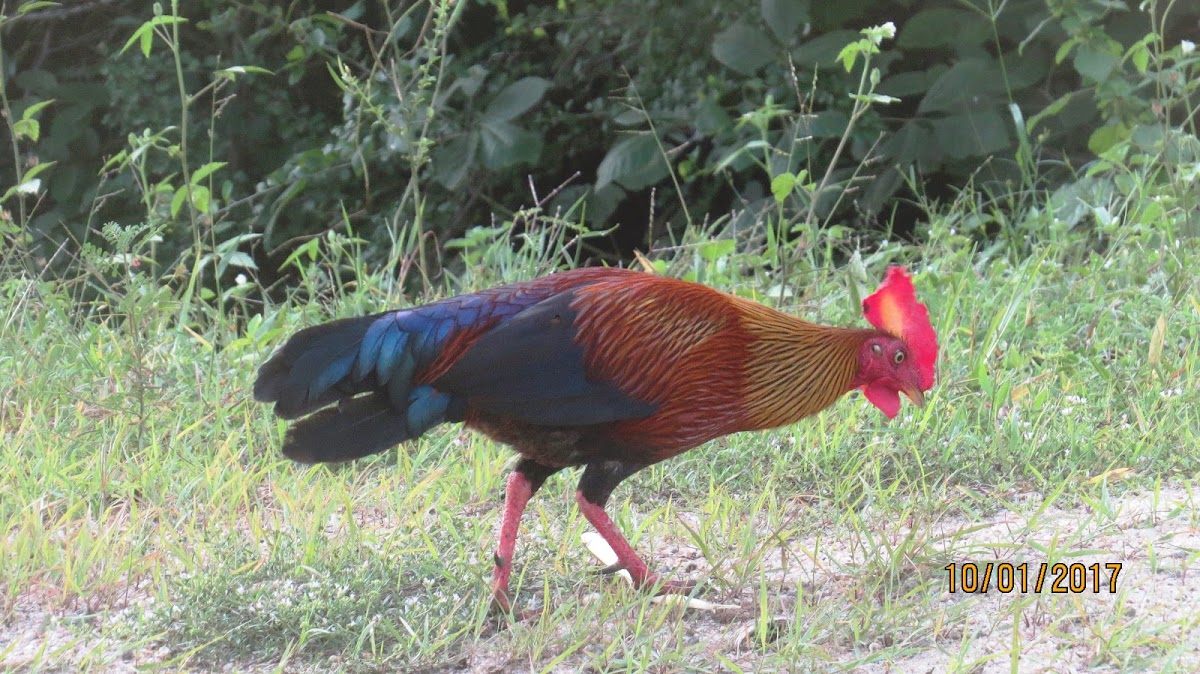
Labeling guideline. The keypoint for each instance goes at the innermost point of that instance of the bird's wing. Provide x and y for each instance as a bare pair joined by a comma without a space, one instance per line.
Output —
531,368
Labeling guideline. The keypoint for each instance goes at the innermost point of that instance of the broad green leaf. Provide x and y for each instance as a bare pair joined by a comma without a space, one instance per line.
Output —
973,134
1141,58
27,128
516,98
239,259
711,118
1106,137
453,160
943,27
823,50
850,53
715,250
1094,63
784,16
634,162
505,144
879,190
35,109
910,83
177,201
204,171
1147,136
1028,67
965,86
200,198
913,142
742,48
825,124
782,186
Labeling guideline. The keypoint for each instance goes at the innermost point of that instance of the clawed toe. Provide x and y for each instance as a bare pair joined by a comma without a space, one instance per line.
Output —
660,587
674,586
611,569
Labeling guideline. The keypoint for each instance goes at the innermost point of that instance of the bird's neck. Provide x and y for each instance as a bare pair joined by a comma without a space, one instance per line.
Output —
795,368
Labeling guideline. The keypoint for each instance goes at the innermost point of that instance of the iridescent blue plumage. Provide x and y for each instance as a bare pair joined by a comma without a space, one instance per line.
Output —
388,356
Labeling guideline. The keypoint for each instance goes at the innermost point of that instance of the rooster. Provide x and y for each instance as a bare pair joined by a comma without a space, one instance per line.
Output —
610,369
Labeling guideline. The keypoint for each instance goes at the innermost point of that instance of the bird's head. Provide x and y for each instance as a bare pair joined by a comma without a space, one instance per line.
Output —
902,357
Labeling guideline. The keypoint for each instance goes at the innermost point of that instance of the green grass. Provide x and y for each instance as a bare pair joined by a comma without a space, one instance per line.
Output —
150,520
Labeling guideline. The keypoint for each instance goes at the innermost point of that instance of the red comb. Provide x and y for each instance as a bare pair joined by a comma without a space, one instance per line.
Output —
895,310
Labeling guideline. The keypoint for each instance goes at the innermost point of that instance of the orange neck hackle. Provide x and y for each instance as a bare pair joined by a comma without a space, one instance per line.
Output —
795,368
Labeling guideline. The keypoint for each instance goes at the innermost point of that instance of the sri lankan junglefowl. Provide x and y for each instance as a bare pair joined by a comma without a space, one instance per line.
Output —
610,369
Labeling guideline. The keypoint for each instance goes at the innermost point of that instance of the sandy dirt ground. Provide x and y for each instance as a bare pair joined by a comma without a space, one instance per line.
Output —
1151,623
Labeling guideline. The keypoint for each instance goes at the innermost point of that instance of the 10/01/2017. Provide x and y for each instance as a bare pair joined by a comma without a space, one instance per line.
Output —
1006,577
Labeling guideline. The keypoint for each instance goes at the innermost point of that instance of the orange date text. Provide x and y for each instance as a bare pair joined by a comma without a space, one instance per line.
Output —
1057,578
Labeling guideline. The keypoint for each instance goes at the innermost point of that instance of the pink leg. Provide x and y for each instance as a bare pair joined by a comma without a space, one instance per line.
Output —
523,483
627,559
515,497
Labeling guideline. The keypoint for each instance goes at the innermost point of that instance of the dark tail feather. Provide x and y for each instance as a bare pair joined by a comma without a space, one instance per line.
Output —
328,364
312,370
354,429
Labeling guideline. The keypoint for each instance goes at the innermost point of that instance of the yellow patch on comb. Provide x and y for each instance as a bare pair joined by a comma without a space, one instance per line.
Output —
891,316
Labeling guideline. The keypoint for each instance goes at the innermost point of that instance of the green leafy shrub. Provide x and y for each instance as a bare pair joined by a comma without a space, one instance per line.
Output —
414,124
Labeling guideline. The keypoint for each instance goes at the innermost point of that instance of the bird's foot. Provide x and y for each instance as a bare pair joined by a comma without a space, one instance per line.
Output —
660,587
615,567
646,581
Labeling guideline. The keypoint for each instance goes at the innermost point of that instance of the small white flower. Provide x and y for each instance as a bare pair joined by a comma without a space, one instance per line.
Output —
1187,46
241,279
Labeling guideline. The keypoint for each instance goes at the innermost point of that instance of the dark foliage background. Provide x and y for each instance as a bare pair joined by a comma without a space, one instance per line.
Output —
634,108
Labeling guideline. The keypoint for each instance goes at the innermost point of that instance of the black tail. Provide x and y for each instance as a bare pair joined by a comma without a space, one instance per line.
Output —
354,429
323,365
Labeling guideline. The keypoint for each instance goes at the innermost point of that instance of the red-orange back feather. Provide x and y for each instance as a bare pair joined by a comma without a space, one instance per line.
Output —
714,363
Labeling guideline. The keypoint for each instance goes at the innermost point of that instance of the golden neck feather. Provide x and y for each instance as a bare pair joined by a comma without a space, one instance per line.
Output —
795,368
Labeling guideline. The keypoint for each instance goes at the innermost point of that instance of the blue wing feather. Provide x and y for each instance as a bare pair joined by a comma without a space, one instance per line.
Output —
526,366
531,368
372,346
392,348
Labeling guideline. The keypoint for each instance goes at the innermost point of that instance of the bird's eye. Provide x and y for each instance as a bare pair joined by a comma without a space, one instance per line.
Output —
876,349
899,357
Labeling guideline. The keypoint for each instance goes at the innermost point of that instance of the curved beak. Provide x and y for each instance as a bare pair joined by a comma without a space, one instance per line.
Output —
914,394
